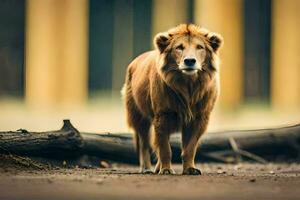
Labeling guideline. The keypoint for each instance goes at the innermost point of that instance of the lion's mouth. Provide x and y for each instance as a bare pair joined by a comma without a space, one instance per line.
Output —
189,71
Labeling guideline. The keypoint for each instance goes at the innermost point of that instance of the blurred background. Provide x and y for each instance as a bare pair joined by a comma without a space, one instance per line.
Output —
67,59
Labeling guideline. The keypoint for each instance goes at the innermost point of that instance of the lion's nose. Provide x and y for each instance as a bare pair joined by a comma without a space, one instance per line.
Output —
189,62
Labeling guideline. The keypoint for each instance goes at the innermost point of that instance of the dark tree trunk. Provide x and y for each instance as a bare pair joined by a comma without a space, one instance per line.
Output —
225,146
67,140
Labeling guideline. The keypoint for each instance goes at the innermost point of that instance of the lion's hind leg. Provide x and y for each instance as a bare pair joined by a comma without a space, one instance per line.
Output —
141,127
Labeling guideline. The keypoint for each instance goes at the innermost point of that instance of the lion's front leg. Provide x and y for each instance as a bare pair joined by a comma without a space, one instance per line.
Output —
164,155
163,126
191,134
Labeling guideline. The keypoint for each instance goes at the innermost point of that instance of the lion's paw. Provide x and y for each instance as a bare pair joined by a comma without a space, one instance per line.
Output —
146,171
166,171
191,171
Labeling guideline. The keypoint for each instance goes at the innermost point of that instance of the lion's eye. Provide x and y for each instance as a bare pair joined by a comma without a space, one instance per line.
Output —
180,47
199,46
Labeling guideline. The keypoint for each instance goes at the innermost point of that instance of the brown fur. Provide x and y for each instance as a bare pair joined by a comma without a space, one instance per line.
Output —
158,94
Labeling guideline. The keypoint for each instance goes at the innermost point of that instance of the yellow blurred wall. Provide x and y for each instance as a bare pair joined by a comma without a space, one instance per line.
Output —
226,18
56,52
285,55
167,14
57,39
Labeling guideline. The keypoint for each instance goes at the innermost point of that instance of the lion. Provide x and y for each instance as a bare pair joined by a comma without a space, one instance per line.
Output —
173,89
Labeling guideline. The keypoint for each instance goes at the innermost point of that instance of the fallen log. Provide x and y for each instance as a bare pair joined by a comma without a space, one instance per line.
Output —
258,145
68,143
43,144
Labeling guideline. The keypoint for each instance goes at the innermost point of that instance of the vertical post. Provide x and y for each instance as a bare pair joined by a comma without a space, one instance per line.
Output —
41,64
285,55
226,18
56,52
142,14
257,50
74,63
167,14
123,41
100,45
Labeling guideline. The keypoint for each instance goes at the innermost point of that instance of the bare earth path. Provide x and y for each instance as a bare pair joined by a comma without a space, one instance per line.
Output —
243,181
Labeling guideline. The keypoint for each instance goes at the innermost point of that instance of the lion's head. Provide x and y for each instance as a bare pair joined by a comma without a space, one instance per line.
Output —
188,49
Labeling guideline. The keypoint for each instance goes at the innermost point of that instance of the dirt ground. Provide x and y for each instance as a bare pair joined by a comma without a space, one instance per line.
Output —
219,181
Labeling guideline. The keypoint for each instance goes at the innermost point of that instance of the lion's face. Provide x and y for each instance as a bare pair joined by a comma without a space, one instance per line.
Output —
187,48
189,54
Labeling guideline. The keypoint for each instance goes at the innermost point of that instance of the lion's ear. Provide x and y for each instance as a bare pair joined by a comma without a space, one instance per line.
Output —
215,40
161,41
